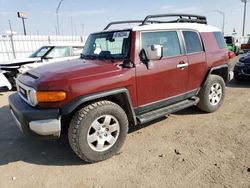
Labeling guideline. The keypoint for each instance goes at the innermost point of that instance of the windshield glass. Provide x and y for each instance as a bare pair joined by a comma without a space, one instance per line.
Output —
41,51
229,40
58,52
110,45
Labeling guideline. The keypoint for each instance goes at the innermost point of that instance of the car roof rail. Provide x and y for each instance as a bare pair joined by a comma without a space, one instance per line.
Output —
189,18
131,21
122,22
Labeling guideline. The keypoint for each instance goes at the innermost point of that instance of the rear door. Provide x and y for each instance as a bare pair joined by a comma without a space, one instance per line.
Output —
169,76
196,59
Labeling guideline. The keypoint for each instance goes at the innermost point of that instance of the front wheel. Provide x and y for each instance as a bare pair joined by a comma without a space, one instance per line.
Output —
212,94
98,131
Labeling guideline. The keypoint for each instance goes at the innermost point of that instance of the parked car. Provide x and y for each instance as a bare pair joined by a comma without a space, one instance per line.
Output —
231,44
45,54
126,76
242,68
246,47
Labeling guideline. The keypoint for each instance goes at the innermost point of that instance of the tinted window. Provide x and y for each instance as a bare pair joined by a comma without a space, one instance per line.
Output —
192,40
220,40
168,39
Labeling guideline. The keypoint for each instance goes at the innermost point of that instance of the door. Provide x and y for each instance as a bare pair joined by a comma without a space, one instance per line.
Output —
196,59
168,78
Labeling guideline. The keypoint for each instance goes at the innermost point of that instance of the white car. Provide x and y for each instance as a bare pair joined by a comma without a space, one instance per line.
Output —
45,54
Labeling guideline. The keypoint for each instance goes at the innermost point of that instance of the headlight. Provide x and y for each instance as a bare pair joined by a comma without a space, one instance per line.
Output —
50,96
240,64
32,97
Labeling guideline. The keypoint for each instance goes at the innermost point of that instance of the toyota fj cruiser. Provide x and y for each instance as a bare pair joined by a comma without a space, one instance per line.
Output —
124,77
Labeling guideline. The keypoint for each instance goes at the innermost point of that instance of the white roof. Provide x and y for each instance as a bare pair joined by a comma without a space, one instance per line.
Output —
194,26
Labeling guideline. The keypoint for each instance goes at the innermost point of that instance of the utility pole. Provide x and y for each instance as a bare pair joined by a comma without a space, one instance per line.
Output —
57,16
23,16
223,21
244,16
11,39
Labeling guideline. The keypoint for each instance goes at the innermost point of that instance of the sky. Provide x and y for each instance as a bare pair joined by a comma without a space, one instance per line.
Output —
79,17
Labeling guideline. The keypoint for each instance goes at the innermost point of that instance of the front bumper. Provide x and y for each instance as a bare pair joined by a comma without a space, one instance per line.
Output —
44,123
242,73
4,82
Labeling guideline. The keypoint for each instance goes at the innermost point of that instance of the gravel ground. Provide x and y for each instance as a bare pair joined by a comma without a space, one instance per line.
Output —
185,149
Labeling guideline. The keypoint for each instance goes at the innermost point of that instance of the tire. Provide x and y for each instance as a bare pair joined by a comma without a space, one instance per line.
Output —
98,131
212,94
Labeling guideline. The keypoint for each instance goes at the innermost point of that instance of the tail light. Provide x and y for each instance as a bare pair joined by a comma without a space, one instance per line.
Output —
231,54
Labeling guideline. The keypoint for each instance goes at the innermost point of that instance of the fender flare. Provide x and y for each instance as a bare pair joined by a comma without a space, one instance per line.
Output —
70,107
220,67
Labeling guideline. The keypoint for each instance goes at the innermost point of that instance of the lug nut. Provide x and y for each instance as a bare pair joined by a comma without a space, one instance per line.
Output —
107,129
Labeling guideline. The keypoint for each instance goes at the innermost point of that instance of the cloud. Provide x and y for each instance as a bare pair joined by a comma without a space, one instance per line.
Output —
7,13
78,13
189,9
86,12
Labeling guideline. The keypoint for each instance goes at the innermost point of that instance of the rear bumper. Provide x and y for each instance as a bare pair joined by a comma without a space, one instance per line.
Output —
4,82
44,123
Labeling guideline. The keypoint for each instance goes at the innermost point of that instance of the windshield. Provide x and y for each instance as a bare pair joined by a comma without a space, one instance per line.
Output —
110,45
229,40
41,51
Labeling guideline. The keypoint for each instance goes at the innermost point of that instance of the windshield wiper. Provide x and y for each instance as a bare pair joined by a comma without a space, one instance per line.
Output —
88,56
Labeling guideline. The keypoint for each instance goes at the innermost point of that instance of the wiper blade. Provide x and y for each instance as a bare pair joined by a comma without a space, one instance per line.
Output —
88,56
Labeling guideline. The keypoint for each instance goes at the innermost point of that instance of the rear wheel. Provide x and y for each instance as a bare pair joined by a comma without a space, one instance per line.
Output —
98,131
212,94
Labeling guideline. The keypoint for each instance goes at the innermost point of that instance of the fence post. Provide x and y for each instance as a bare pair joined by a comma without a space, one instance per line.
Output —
49,39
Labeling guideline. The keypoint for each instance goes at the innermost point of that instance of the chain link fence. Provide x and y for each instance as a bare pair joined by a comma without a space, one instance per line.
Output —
20,46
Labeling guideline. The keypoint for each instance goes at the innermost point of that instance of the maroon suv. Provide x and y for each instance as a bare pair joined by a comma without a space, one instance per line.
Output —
124,77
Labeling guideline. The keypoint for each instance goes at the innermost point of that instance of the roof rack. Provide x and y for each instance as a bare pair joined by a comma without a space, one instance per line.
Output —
189,18
122,22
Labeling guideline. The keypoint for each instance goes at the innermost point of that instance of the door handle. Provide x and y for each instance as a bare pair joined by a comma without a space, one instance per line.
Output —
182,65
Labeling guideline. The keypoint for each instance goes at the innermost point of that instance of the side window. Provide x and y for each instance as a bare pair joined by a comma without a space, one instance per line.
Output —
168,39
220,40
192,41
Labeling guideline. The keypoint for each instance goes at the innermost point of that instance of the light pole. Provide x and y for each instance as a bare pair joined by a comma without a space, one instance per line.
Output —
223,22
244,17
23,16
57,16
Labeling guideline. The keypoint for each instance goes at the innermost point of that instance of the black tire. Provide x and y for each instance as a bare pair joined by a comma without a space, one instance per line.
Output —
84,122
206,103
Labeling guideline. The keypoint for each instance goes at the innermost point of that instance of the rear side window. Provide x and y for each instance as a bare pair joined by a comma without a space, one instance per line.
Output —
167,39
192,41
220,40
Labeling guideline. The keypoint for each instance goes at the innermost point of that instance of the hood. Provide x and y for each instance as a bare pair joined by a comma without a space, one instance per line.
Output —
245,59
74,69
16,63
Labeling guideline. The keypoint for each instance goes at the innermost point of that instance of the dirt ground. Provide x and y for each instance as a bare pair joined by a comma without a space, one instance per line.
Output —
186,149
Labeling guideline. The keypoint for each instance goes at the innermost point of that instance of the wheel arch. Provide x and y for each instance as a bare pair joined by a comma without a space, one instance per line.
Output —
221,70
119,96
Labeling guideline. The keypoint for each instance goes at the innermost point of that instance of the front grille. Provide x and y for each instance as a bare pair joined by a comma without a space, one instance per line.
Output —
24,92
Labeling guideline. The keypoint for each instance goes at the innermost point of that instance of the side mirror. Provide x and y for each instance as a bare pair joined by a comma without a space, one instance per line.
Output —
154,52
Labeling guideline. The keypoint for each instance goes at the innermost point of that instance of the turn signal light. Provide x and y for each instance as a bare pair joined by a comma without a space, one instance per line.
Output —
50,96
